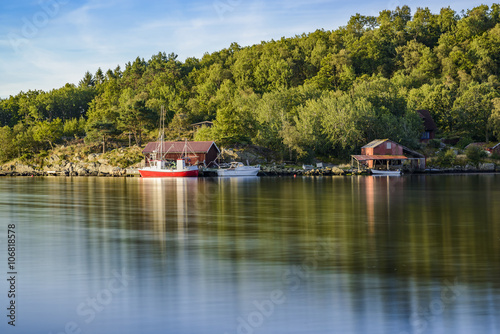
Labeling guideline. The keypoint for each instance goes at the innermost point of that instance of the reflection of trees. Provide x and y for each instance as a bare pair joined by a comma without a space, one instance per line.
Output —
422,227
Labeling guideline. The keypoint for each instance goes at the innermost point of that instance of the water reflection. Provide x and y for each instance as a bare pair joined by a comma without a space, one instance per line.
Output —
353,255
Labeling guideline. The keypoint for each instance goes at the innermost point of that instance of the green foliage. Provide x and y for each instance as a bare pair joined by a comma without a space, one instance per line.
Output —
495,117
6,143
323,93
204,134
48,131
446,158
475,155
133,114
74,127
473,110
464,141
434,143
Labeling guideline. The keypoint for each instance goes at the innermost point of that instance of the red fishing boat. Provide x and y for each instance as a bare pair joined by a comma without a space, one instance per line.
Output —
162,168
159,167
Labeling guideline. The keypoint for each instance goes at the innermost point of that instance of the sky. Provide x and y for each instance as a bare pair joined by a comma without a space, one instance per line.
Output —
45,44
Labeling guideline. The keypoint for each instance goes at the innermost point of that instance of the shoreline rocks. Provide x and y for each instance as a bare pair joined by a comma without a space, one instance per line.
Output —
95,165
66,168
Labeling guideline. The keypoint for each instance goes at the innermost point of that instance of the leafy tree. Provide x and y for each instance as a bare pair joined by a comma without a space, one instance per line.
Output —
495,117
133,114
23,140
345,120
438,99
204,134
99,77
87,80
8,150
473,108
336,72
446,158
102,117
48,131
100,130
74,127
475,155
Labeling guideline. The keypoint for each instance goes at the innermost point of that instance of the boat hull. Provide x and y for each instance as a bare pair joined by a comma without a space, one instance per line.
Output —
168,173
229,172
386,172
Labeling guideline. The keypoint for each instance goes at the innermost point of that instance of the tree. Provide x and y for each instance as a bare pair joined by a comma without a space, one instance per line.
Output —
418,60
475,154
204,134
87,80
48,131
133,114
8,150
473,107
495,117
102,119
23,140
345,119
336,72
424,27
438,99
99,77
74,127
100,130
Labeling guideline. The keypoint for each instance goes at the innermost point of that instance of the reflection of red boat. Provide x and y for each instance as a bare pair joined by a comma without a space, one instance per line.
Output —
159,168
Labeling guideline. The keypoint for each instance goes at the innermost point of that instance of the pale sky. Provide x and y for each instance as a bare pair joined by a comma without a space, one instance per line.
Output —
45,44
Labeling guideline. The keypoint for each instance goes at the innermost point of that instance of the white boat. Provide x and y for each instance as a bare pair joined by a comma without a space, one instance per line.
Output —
238,169
385,172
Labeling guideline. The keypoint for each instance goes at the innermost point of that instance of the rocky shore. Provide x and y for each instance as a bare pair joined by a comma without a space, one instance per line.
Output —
292,171
101,167
54,165
72,161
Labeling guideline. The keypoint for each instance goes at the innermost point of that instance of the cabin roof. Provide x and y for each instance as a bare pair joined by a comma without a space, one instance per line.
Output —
207,123
366,157
429,124
178,146
479,144
377,142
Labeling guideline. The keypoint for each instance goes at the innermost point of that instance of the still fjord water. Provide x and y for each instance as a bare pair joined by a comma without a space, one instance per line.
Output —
412,254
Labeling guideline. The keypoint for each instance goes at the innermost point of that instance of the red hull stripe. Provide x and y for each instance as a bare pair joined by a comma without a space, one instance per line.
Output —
150,173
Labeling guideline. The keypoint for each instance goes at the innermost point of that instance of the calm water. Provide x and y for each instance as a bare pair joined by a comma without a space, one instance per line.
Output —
260,255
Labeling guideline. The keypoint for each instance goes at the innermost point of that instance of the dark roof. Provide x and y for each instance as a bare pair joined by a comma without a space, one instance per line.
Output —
377,142
481,145
412,153
429,124
365,157
178,147
207,123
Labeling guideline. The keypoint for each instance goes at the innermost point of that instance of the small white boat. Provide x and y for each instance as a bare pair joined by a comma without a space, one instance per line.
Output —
238,169
385,172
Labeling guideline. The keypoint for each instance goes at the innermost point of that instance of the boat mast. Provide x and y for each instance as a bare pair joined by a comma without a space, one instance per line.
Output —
162,131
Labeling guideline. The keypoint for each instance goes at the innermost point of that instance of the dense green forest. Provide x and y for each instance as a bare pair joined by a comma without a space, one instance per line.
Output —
323,94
